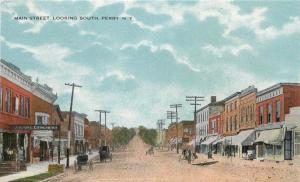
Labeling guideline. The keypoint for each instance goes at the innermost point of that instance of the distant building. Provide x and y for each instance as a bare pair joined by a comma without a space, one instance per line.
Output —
77,131
186,133
203,126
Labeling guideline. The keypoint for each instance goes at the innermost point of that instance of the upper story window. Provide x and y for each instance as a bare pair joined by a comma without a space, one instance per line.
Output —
278,111
1,97
8,100
269,113
261,115
235,105
41,118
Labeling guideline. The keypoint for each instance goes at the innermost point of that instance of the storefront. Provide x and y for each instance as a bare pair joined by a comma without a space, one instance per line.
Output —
270,144
206,146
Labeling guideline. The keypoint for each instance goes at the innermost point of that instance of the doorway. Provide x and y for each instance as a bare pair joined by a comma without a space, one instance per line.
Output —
288,145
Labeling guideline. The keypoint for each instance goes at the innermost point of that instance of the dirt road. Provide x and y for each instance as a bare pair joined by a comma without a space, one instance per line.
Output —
134,165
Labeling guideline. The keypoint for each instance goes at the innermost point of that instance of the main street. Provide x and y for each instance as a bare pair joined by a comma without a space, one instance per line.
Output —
134,165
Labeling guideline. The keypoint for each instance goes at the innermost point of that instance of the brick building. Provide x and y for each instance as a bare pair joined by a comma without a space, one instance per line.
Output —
41,114
247,108
272,104
186,132
15,103
231,114
215,124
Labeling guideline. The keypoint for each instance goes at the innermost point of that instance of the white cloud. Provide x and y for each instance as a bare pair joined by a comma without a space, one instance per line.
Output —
57,71
163,47
119,75
234,50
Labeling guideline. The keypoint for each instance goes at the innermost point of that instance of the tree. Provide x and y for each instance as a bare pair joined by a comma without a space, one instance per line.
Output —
148,135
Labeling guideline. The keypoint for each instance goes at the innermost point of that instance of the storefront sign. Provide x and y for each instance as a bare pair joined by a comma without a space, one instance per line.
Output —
35,127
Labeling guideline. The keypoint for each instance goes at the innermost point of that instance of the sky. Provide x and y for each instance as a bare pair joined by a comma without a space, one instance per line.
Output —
162,52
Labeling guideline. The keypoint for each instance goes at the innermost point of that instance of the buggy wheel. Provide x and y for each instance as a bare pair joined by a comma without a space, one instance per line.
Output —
75,165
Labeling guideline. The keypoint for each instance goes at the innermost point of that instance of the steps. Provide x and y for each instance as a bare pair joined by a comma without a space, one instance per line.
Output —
12,166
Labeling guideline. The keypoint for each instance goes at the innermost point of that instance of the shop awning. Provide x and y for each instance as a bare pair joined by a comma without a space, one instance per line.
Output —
240,138
273,137
221,140
209,140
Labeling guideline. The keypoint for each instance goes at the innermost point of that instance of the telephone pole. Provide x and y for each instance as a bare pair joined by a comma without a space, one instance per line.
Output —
160,124
176,106
194,101
112,139
73,85
102,111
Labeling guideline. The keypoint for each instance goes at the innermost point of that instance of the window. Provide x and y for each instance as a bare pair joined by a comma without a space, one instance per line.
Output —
227,124
8,100
235,105
0,97
261,115
41,118
27,107
242,115
269,113
231,107
230,124
278,111
22,112
16,106
235,122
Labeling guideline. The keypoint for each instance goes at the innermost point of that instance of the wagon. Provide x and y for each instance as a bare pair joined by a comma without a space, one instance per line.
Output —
105,153
83,160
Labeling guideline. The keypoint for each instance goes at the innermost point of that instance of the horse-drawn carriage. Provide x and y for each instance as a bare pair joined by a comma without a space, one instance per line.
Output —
105,153
83,160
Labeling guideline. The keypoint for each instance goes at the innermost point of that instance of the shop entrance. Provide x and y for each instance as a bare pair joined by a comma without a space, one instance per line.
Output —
43,150
288,146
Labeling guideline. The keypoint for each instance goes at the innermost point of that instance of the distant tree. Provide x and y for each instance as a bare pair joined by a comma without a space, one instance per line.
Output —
148,135
122,135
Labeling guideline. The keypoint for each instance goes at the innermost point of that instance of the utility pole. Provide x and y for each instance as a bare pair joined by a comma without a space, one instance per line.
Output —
69,126
100,111
176,106
105,126
194,101
160,124
112,127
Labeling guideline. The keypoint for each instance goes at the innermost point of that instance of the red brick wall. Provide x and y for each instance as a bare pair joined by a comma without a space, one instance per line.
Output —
217,118
289,98
248,102
12,118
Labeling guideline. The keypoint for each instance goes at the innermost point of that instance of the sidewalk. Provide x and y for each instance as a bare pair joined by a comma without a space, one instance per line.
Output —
38,168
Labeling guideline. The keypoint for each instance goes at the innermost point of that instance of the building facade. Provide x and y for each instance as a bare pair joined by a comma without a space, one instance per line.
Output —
272,104
77,131
41,114
247,108
15,106
186,133
231,115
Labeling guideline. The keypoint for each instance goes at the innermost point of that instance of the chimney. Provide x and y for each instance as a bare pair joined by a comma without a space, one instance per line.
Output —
213,99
